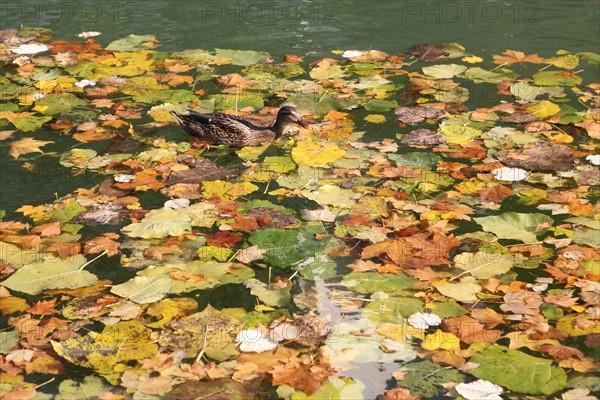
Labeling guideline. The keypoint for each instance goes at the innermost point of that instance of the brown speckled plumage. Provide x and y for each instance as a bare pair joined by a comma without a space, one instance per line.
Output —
228,129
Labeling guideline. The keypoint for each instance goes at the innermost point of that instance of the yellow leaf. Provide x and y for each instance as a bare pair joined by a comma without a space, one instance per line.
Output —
400,333
335,196
227,190
559,137
543,109
375,118
441,340
36,213
568,61
470,187
26,145
458,134
308,152
472,59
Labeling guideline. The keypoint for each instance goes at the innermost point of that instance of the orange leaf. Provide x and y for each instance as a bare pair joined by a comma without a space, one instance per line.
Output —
512,57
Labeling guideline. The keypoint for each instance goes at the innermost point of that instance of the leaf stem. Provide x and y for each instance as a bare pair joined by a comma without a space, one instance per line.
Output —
92,260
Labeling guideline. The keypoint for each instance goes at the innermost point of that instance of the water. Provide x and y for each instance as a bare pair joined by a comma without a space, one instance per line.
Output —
303,27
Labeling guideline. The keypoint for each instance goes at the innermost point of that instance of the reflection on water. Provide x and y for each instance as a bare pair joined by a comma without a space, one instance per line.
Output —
354,343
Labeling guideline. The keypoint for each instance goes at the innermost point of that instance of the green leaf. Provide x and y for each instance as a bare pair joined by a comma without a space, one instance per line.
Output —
392,309
371,282
484,265
528,92
210,330
235,102
269,295
447,309
144,290
457,134
160,223
375,105
17,257
91,386
130,43
368,82
464,292
518,372
518,226
444,71
51,273
416,159
426,378
9,339
335,389
29,124
242,57
286,248
480,75
56,103
555,78
212,274
118,343
329,72
195,56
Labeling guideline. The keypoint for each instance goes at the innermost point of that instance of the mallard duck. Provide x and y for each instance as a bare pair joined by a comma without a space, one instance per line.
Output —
228,129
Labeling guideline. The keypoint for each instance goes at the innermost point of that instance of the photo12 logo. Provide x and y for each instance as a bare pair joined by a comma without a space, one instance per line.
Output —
244,11
28,12
469,11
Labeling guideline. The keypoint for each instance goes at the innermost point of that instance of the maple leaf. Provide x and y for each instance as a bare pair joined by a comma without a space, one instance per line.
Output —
397,250
470,331
43,307
157,252
64,250
49,229
27,145
99,244
512,57
301,375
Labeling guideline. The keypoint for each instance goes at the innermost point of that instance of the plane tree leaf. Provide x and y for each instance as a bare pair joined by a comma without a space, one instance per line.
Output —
51,273
242,57
517,226
518,371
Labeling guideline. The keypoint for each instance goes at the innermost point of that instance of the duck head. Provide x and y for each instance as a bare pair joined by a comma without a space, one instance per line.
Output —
290,114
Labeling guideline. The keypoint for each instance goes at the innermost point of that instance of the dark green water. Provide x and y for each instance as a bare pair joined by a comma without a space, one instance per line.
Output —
304,27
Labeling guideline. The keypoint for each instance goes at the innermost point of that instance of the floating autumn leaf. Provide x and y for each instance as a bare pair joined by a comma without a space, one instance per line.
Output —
254,341
479,389
26,146
51,273
512,57
307,152
510,368
519,226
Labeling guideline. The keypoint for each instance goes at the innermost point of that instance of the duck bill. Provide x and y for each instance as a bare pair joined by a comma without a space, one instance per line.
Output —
302,123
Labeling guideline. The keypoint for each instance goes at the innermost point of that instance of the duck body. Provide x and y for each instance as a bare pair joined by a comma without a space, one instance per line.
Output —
228,129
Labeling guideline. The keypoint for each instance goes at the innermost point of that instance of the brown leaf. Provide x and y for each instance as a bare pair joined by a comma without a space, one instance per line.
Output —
26,145
292,58
99,244
488,317
49,229
301,375
157,252
512,57
397,250
540,156
470,331
43,307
